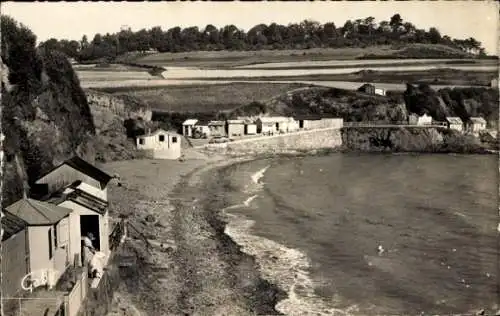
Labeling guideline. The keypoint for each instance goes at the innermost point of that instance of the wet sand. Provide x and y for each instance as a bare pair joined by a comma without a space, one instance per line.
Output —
191,267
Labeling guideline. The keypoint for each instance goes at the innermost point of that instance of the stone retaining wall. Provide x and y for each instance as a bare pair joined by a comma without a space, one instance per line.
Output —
328,138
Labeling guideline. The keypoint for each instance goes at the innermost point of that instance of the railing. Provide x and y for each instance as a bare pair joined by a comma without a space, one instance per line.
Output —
74,299
116,234
393,124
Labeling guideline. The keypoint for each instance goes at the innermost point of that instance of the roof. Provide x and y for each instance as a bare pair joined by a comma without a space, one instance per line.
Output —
158,131
454,120
478,120
35,213
190,122
11,225
78,196
235,121
216,123
84,167
272,119
307,117
202,122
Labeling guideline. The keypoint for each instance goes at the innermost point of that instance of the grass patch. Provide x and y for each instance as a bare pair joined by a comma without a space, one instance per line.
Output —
223,59
206,98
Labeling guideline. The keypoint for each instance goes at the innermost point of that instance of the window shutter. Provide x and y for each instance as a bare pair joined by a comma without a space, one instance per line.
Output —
63,231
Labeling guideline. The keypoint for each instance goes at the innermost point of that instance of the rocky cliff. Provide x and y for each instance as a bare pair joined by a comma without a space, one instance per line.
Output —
408,139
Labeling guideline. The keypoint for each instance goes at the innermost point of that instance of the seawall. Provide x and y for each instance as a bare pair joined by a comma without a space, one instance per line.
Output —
327,138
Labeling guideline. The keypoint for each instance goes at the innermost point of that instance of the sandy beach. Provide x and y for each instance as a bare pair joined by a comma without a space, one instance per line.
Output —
187,266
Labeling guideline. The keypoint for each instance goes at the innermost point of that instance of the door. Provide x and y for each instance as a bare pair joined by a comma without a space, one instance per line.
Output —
90,224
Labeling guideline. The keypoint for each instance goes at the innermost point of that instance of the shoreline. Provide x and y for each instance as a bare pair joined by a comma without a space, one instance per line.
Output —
203,270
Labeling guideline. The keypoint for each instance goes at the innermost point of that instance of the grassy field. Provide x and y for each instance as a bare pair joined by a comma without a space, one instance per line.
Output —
206,98
222,59
435,76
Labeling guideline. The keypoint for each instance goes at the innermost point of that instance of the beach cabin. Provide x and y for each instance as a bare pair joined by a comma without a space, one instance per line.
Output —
379,91
15,254
235,127
494,83
217,128
455,123
250,128
414,119
476,125
367,88
308,122
269,125
48,234
202,128
71,170
81,187
188,127
160,145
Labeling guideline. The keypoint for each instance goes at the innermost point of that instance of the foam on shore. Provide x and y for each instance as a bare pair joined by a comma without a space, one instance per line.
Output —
286,267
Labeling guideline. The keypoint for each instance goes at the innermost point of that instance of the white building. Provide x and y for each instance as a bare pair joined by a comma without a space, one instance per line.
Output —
160,145
188,127
476,124
380,91
455,123
414,119
203,128
272,124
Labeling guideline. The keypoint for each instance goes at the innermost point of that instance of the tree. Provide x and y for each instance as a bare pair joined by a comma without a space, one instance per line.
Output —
396,22
434,35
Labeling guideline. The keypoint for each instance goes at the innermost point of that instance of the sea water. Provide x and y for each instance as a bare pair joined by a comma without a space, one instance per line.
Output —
371,234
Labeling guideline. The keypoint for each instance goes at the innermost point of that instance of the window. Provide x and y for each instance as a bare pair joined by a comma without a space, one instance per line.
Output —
50,243
162,138
141,141
174,139
55,236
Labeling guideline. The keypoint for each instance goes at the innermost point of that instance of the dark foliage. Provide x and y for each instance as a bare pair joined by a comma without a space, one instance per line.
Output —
304,35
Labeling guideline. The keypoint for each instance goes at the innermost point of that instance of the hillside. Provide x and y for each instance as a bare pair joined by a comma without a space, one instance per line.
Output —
45,115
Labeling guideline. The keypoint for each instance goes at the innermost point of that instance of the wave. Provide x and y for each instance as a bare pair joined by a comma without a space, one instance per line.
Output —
286,267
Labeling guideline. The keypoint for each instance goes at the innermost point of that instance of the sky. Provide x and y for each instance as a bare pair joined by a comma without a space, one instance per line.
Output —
63,20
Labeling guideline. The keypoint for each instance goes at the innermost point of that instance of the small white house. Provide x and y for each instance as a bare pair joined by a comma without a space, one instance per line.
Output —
250,128
203,127
476,124
380,91
272,124
414,119
188,127
235,127
48,248
160,145
455,123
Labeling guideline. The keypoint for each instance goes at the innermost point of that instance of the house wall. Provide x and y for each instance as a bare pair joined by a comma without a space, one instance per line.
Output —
379,91
65,175
14,264
324,123
424,120
75,233
217,130
102,194
203,129
251,129
39,253
476,127
457,127
153,142
236,129
167,149
187,130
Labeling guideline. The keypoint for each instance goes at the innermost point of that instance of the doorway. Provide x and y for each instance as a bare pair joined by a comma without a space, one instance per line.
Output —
90,224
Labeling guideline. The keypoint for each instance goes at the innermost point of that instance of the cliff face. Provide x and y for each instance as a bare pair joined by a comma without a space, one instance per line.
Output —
45,115
407,139
117,119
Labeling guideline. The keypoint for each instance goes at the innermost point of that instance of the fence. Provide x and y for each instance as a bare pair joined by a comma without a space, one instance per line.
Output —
25,306
74,299
116,234
393,124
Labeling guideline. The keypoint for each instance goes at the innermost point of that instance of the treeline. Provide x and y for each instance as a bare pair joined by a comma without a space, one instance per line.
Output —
304,35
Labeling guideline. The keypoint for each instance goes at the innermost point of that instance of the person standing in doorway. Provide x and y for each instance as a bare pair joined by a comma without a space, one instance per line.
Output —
88,249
